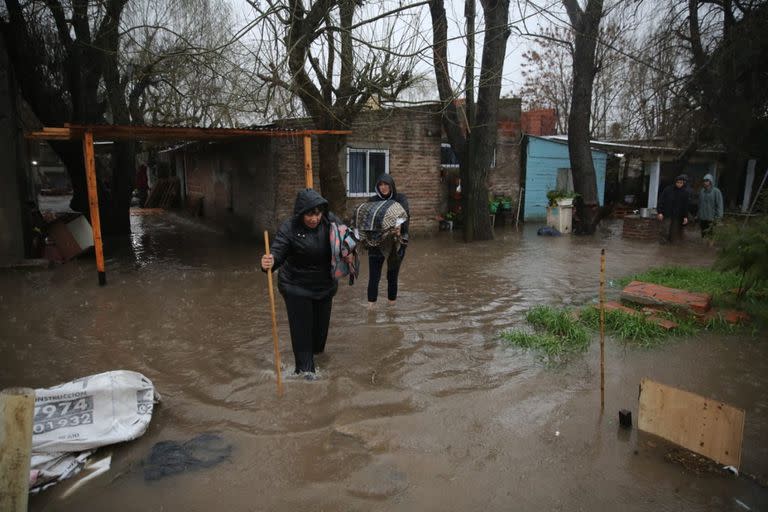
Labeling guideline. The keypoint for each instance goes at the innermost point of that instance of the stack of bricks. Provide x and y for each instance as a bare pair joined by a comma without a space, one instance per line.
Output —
639,228
658,298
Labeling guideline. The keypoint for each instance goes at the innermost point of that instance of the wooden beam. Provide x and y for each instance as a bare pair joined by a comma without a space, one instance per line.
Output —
308,161
122,132
17,407
93,203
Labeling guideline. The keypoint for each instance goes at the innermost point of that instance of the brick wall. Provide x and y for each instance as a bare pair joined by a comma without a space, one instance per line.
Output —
256,181
412,137
504,179
234,179
539,122
638,228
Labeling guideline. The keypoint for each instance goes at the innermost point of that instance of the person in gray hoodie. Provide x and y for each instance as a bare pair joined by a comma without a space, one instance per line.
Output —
710,206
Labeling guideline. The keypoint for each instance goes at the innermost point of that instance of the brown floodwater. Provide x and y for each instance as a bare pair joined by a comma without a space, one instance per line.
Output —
419,407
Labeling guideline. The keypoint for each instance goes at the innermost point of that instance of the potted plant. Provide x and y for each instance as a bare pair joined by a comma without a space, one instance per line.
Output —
558,197
446,221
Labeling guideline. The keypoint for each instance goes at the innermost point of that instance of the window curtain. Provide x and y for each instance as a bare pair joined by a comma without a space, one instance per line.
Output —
357,172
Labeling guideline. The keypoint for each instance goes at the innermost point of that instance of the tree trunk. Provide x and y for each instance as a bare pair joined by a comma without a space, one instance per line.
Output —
332,185
586,26
475,148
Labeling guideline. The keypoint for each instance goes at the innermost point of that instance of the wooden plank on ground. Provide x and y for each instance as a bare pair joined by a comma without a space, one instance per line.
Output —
708,427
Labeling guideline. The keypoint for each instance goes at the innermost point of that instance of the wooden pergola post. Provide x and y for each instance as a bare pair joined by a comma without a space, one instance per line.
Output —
93,203
308,161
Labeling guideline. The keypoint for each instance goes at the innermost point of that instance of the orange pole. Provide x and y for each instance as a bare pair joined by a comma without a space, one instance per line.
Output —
308,161
274,320
93,203
602,329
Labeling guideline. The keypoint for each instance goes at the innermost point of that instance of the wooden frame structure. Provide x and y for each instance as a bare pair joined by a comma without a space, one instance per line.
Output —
89,133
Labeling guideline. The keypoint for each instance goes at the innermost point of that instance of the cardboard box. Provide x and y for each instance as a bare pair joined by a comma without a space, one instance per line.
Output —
72,237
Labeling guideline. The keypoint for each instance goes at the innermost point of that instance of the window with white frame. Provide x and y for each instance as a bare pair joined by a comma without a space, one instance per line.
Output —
363,167
448,158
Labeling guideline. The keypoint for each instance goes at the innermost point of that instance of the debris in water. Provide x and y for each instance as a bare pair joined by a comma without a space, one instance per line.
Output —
171,457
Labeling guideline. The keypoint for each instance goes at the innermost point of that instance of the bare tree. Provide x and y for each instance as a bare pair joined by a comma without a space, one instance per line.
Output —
652,96
184,63
547,74
473,140
336,56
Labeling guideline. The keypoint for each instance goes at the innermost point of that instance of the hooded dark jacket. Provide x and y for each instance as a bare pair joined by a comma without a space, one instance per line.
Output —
394,195
304,254
673,202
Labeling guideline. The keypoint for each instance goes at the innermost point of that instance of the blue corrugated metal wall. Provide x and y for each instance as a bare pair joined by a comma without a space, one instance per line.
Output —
543,160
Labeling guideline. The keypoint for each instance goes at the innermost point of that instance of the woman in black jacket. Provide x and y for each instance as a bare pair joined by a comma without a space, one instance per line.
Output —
302,251
385,189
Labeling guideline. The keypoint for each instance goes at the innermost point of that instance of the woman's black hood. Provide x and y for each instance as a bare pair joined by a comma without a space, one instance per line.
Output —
386,178
307,200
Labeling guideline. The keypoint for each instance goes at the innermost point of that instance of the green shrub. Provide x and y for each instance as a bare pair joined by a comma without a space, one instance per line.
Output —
743,250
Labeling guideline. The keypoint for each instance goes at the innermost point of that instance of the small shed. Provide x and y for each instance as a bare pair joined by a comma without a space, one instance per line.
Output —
546,166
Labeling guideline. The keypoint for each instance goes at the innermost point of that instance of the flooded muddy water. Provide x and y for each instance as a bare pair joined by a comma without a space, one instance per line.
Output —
419,407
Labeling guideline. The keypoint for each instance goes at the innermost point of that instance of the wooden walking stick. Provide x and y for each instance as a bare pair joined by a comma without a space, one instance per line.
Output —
274,320
602,329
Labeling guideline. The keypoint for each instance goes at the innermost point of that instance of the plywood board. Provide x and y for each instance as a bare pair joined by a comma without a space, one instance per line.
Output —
708,427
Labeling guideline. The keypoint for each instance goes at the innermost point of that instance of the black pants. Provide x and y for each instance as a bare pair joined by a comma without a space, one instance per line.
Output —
375,265
308,319
706,228
671,230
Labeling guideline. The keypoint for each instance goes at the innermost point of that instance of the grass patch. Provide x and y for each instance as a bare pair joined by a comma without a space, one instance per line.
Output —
558,333
560,323
633,328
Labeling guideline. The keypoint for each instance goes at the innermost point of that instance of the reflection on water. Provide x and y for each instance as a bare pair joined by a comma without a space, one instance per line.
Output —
418,406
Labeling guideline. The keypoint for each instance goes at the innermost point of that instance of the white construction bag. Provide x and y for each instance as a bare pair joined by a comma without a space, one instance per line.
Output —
84,414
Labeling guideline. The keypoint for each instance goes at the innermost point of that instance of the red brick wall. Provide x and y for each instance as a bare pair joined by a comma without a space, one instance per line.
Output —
539,122
638,228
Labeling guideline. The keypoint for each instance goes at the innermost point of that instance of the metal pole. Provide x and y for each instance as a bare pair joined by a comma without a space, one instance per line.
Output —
519,202
757,196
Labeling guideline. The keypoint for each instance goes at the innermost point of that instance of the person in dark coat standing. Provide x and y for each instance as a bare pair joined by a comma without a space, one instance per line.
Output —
302,251
673,210
385,189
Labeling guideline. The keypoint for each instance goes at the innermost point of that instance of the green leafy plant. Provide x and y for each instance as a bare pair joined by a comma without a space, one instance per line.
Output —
555,194
743,250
